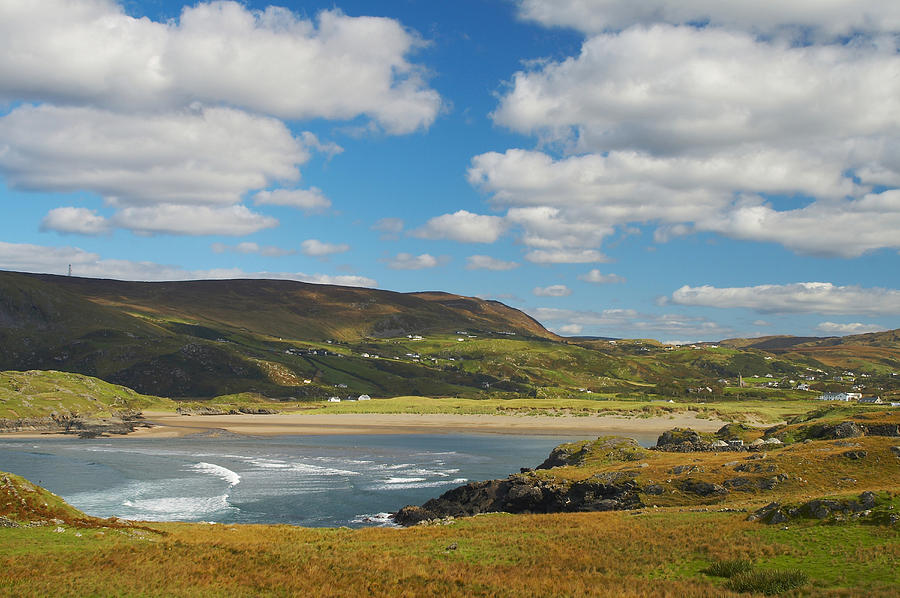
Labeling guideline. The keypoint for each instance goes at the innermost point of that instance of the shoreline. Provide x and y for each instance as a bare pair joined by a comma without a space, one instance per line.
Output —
172,425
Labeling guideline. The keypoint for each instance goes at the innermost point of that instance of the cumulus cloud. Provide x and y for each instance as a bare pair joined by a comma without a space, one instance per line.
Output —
631,323
597,277
486,262
408,261
192,220
570,329
249,247
308,200
271,61
832,18
554,290
801,297
581,256
706,128
316,248
38,258
172,157
854,328
81,221
463,226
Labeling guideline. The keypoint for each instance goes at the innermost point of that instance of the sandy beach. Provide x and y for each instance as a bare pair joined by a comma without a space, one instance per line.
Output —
168,425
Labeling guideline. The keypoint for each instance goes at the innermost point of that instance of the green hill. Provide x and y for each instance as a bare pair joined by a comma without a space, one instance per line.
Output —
298,341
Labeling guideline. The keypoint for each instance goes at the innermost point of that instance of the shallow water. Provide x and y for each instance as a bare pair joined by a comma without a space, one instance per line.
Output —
352,480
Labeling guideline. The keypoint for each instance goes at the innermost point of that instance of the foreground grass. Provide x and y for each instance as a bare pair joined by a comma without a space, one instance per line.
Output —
662,553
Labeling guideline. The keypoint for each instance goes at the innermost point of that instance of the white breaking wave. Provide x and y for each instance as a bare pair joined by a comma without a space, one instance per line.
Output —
403,480
176,508
410,485
376,519
224,473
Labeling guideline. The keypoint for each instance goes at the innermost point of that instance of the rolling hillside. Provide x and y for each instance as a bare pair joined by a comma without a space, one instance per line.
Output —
298,341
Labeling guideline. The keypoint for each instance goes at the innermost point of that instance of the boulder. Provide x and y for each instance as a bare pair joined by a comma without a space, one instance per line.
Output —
701,488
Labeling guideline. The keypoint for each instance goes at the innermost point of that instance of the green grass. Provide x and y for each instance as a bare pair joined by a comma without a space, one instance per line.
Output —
43,393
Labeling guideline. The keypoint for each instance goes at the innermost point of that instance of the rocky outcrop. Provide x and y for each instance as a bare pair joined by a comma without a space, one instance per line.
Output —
82,427
685,440
529,494
610,449
867,506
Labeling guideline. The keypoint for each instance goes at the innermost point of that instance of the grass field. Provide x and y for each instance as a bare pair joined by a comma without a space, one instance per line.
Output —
655,552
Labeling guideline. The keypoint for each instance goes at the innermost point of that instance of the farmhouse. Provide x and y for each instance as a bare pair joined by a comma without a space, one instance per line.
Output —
835,396
872,400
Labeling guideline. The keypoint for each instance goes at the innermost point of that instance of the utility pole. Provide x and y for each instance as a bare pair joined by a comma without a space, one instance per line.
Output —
70,269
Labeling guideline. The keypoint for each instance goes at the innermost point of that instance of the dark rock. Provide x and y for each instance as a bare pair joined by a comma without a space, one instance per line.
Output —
680,469
700,488
855,455
846,429
740,484
769,483
891,430
771,513
896,450
453,546
654,489
821,509
411,515
4,522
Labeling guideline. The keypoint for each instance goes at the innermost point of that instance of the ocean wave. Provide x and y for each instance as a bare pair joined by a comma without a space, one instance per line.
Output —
223,473
404,480
375,519
175,508
412,485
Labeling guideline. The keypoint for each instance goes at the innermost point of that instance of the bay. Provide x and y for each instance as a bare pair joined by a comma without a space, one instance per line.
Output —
339,480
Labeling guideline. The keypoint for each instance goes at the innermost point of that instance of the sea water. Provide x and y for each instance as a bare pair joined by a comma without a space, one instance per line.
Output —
351,480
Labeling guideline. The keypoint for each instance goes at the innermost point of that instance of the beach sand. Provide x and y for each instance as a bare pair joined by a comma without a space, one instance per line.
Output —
168,425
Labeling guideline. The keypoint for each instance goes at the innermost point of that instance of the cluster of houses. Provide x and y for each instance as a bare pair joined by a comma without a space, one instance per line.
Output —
350,398
850,396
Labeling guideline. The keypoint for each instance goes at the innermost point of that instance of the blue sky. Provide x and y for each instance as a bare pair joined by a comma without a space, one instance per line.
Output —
672,170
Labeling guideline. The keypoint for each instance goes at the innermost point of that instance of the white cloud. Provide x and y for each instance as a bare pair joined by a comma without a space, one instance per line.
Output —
597,277
631,323
309,200
554,290
762,323
570,329
831,18
249,247
463,226
316,248
173,157
854,328
703,129
581,256
271,61
192,220
389,227
801,297
408,261
81,221
486,262
38,258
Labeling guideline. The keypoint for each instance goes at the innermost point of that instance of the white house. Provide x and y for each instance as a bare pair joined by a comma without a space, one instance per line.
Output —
835,396
872,400
334,400
364,398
